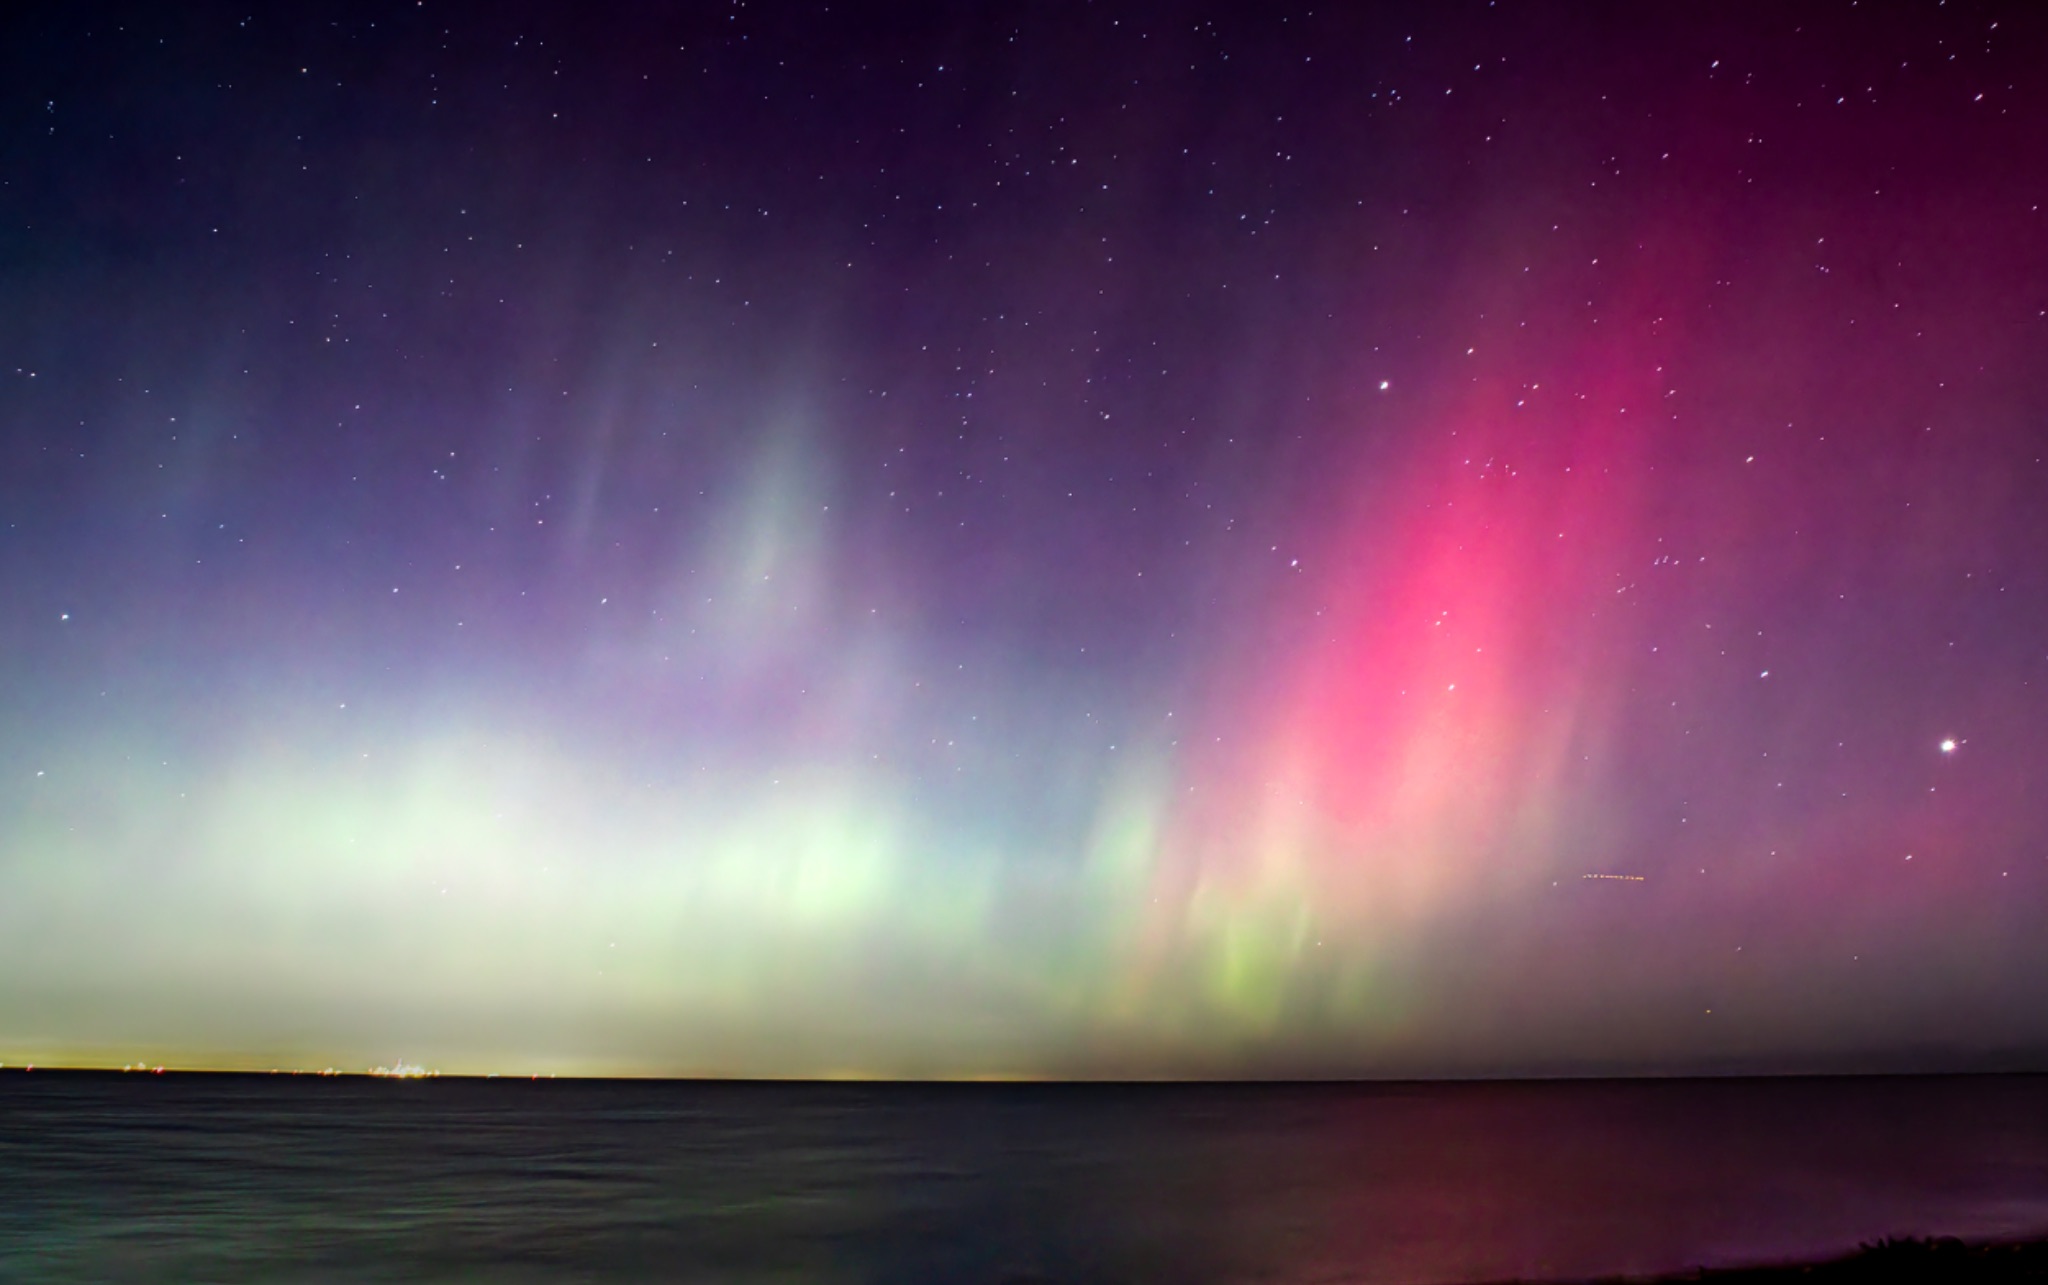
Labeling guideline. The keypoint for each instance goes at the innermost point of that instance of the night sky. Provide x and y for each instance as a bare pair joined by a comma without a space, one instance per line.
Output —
1025,538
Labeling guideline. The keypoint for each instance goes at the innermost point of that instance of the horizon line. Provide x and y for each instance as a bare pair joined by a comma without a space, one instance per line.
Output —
878,1078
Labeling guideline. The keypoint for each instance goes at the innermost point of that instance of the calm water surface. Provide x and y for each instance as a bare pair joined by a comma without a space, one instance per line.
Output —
220,1178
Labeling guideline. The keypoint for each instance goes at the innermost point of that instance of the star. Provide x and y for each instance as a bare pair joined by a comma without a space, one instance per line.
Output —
1948,746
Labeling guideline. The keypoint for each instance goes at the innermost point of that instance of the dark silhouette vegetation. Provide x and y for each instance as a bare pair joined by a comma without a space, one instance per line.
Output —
1906,1261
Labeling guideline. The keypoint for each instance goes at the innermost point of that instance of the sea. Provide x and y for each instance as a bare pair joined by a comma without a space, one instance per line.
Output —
197,1178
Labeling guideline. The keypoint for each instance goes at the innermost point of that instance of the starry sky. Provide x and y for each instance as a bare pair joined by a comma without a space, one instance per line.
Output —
1025,539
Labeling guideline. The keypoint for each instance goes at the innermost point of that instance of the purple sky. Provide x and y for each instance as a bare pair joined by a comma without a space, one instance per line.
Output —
1025,539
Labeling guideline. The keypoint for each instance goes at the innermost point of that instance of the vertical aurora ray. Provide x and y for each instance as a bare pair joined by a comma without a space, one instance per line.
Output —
1428,741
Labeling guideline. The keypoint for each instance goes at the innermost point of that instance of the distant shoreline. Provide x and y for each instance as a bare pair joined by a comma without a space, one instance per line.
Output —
843,1079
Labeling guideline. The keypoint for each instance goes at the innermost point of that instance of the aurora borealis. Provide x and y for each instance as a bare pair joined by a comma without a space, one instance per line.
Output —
1051,539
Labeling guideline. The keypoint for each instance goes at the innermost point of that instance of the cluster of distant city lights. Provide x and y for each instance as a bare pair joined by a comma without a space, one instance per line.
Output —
400,1071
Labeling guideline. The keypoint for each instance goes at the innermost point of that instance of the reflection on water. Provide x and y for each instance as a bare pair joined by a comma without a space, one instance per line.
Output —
108,1177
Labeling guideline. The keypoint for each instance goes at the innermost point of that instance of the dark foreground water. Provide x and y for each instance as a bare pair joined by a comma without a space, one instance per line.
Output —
222,1178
